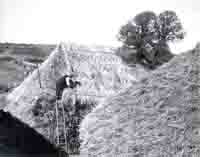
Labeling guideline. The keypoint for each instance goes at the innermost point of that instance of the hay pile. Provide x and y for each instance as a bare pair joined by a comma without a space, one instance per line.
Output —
159,116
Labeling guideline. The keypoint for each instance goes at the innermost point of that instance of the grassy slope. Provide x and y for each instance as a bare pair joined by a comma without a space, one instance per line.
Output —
156,117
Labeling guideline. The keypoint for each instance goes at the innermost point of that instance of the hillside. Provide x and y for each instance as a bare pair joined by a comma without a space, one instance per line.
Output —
158,116
99,70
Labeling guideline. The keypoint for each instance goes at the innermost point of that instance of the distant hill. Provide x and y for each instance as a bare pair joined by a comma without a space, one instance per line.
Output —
39,50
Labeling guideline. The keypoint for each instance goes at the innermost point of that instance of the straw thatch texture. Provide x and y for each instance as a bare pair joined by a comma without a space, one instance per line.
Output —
157,117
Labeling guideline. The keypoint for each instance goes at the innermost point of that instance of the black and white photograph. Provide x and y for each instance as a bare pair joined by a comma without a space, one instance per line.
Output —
99,78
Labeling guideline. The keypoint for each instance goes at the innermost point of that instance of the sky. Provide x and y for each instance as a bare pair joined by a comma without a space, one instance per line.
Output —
88,22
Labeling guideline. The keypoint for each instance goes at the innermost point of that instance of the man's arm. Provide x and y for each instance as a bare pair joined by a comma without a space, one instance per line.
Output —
78,83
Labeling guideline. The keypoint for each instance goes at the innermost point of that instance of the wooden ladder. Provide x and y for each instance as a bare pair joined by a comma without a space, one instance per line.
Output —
61,133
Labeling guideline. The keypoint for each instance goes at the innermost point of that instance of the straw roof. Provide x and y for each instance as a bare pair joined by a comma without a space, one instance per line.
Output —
158,116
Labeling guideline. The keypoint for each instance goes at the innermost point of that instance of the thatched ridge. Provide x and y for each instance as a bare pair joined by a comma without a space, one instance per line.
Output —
157,117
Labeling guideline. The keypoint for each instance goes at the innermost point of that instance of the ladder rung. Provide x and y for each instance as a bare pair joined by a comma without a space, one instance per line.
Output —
61,126
61,144
61,132
60,107
62,139
61,129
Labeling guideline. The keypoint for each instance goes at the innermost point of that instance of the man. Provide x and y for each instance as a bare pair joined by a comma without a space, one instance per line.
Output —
66,81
